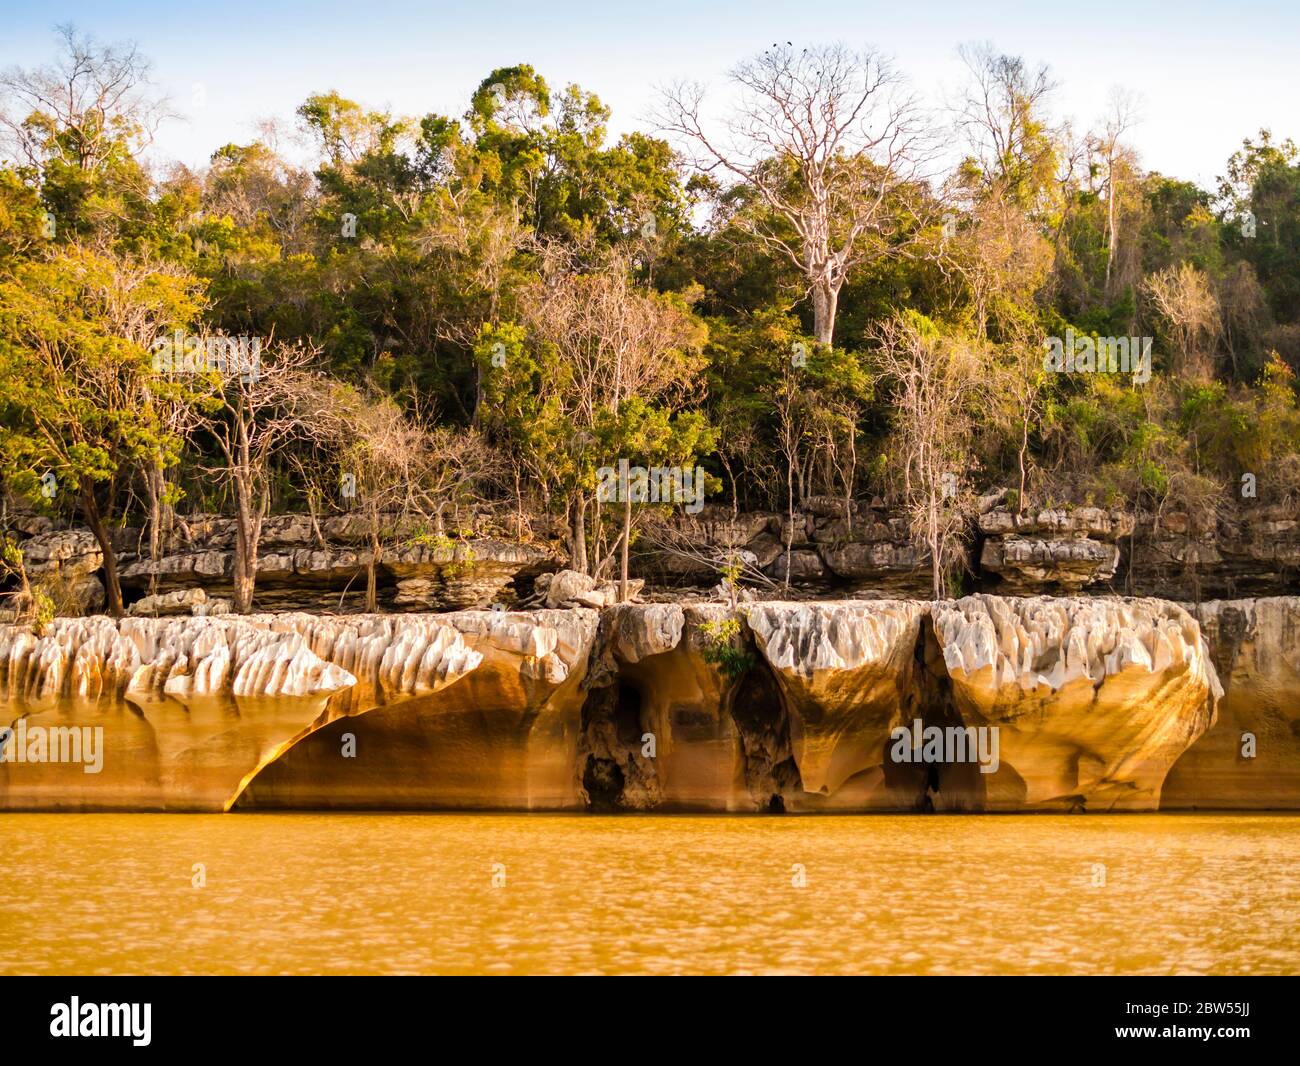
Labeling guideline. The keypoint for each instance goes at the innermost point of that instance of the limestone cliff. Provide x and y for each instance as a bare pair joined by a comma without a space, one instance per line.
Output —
1250,758
761,706
846,674
1094,699
658,728
192,709
504,735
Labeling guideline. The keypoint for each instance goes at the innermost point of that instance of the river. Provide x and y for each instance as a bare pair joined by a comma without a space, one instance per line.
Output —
520,894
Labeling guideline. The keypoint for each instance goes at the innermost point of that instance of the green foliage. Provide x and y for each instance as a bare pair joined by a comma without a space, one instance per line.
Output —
725,648
439,301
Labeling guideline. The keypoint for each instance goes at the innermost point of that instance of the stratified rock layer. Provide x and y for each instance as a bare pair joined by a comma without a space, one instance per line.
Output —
757,706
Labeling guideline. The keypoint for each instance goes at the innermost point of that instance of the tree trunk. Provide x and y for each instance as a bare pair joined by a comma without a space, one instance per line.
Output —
248,533
825,300
1024,447
372,566
159,522
580,536
789,536
244,576
623,554
112,585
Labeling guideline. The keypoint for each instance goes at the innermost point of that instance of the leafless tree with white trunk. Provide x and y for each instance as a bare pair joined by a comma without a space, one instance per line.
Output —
1108,148
252,413
75,109
938,383
827,140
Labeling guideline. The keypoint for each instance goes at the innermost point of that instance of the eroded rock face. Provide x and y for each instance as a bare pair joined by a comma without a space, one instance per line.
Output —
658,732
758,706
1250,757
1252,551
505,735
846,675
192,709
1053,548
180,601
182,712
1094,699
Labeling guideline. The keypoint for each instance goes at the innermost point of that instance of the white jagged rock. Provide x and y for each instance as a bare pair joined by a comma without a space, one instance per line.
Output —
846,672
192,708
766,705
1093,698
504,736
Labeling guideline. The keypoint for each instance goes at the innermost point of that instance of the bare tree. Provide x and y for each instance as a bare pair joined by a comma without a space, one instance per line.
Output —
1001,118
616,342
999,256
75,109
400,470
253,411
686,543
1108,147
1185,302
827,140
791,413
1022,386
937,384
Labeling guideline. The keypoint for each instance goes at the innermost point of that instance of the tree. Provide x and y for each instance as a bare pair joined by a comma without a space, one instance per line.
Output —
1022,385
1182,298
78,110
73,128
1013,153
257,406
77,382
1117,159
827,141
592,341
398,469
937,383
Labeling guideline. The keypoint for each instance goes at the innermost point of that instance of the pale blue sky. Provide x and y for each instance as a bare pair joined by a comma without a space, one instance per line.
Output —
1207,75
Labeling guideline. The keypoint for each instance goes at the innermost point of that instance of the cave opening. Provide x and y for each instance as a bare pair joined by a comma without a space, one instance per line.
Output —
764,726
615,776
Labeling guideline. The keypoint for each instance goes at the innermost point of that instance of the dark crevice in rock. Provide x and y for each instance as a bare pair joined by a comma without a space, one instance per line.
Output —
934,786
602,781
616,775
764,727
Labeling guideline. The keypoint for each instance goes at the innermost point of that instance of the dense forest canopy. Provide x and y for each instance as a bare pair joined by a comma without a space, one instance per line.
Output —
467,318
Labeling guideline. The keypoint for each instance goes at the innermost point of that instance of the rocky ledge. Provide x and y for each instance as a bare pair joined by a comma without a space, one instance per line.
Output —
1075,703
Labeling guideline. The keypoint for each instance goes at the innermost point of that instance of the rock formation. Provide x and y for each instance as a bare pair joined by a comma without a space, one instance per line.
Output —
302,565
846,673
1056,548
1094,699
1250,758
758,706
505,735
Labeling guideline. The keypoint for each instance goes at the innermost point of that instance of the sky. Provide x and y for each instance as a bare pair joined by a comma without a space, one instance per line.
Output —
1206,75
